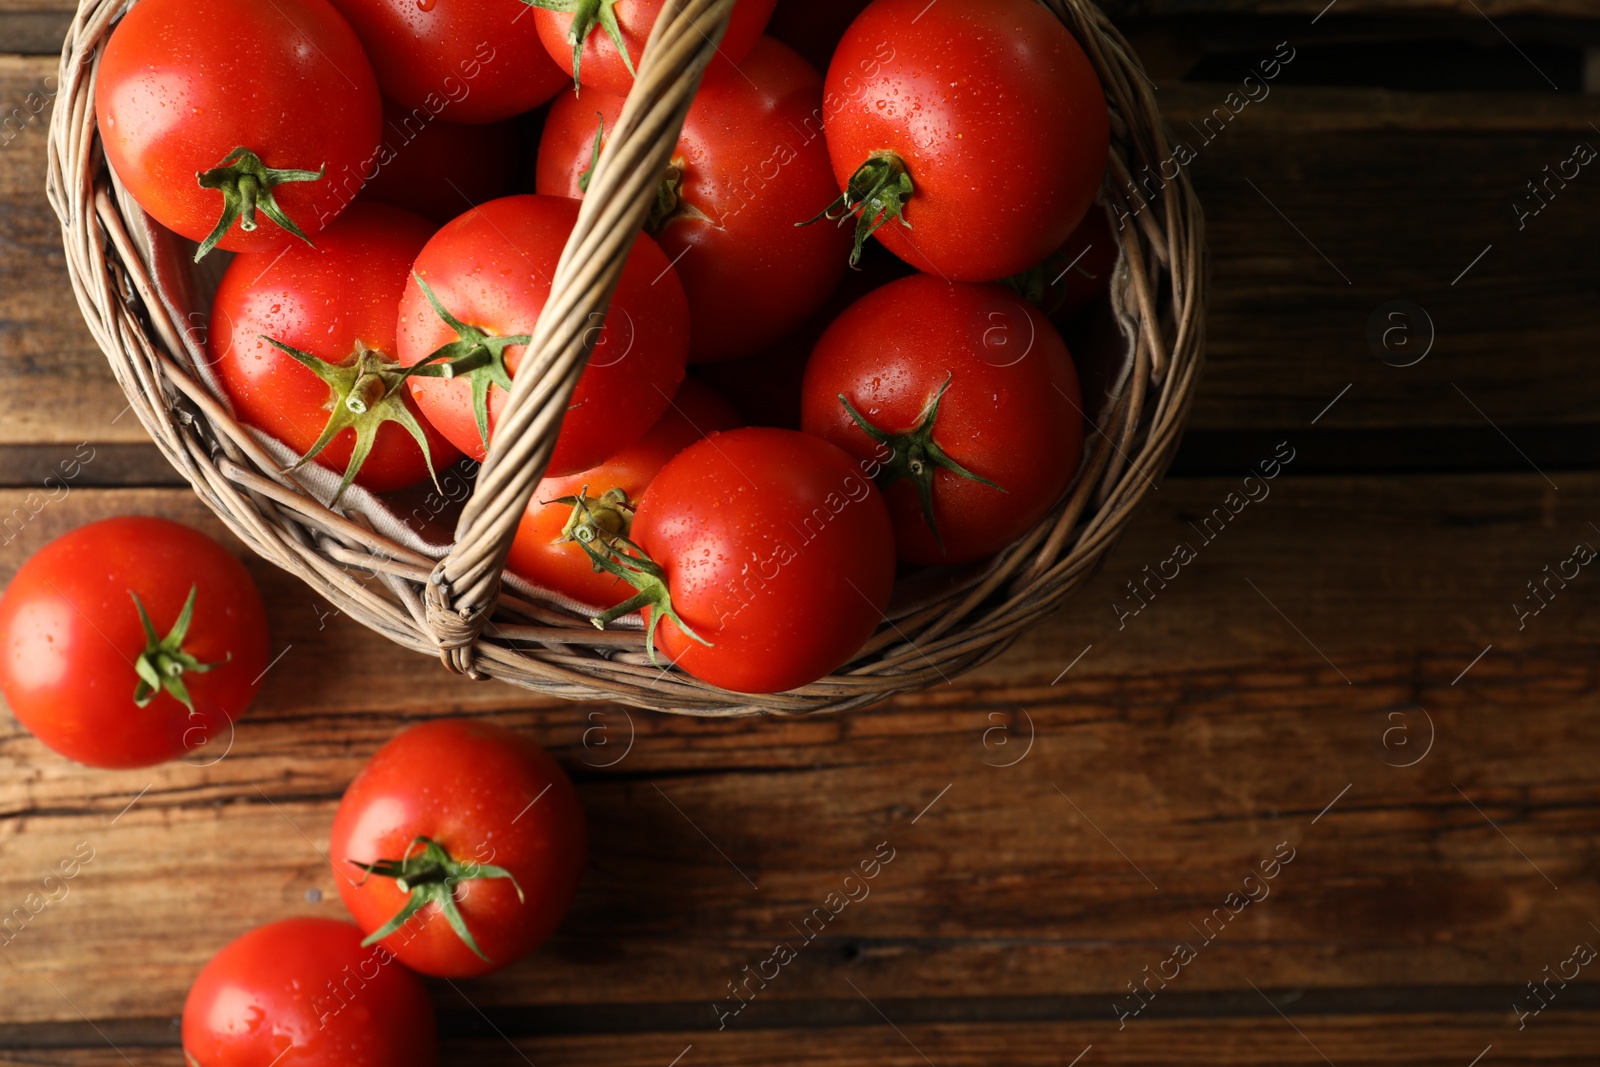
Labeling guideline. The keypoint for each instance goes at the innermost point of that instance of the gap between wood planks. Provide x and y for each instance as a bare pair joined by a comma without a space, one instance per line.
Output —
689,1017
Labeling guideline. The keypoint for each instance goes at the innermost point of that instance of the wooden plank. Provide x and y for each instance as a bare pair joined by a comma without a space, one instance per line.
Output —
1436,1040
1197,738
1516,328
33,32
1326,205
54,383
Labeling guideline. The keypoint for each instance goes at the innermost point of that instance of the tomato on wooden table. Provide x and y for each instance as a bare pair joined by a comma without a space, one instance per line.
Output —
764,559
459,847
465,60
439,169
214,113
490,272
599,42
304,992
972,389
747,168
304,345
969,136
546,550
131,641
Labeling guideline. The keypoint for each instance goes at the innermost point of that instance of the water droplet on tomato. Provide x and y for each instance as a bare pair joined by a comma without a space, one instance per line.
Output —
425,5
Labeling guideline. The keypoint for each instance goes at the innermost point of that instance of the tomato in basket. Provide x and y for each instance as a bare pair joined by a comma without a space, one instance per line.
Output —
814,27
763,560
439,169
236,123
459,847
599,42
132,641
969,136
546,551
475,295
303,342
971,391
750,160
461,60
1076,274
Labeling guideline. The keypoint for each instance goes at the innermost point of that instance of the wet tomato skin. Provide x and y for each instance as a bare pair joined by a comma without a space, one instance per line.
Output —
488,796
1012,414
778,550
491,268
752,163
540,555
996,113
323,301
70,633
181,85
308,986
468,61
602,67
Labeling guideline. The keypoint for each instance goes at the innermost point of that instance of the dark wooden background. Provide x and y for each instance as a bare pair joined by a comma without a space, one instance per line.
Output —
1342,670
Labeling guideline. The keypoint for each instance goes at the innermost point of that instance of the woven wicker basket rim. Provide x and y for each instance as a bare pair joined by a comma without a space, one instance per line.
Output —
458,608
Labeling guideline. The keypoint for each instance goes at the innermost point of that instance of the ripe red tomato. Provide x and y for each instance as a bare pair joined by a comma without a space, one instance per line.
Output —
765,387
304,992
438,169
602,51
764,559
546,552
130,641
461,844
814,28
212,113
465,60
746,168
1076,274
973,389
491,270
335,305
970,135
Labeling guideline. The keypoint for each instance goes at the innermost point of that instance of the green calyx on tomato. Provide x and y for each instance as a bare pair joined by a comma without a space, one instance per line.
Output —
586,15
246,184
365,391
474,355
163,663
914,454
619,556
665,209
876,194
431,877
602,518
1035,283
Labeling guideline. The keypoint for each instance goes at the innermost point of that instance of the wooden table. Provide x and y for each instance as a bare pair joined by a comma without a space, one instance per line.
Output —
1340,676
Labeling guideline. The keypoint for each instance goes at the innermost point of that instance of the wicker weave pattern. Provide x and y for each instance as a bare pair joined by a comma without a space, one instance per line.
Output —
457,608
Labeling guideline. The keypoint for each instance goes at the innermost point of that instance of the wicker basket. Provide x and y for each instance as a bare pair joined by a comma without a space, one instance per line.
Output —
142,299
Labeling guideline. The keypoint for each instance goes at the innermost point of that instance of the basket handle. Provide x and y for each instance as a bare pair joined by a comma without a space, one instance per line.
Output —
464,587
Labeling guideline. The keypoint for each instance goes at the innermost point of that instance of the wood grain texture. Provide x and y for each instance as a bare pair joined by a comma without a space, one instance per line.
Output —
55,386
1268,1040
1450,165
1197,739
